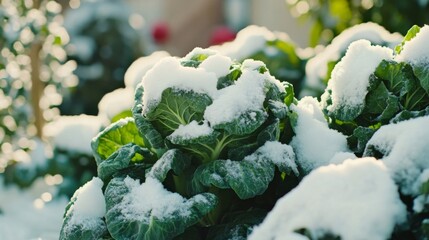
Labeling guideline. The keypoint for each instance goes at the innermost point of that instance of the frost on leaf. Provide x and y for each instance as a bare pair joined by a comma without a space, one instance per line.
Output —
149,211
84,214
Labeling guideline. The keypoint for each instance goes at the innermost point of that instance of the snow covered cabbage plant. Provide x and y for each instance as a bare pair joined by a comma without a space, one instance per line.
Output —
279,53
319,68
204,155
376,105
373,86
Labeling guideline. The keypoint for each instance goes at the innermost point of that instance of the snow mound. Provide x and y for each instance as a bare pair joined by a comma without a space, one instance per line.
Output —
315,144
317,67
89,201
136,71
74,133
30,214
169,73
354,200
350,78
116,102
405,149
248,41
416,50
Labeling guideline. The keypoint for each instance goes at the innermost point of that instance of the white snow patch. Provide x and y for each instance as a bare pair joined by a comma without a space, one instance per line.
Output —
151,199
169,73
248,41
317,67
90,201
191,131
74,133
354,200
199,51
405,146
136,71
277,153
217,64
416,51
116,102
340,157
315,144
24,215
350,77
245,96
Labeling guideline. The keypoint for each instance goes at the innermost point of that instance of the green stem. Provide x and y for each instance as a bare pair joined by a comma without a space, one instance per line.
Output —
225,201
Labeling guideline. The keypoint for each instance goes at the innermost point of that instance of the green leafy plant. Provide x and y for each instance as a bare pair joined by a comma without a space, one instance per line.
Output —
200,154
331,17
397,90
278,52
319,68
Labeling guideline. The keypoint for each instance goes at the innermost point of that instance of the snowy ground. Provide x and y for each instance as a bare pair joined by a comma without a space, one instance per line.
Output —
30,214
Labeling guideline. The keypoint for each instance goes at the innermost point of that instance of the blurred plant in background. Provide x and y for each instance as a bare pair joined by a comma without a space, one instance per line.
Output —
331,17
103,42
275,49
34,74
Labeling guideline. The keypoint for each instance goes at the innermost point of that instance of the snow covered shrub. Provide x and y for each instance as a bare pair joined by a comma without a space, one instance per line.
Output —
204,155
275,49
32,40
318,68
353,200
72,158
136,71
103,44
373,86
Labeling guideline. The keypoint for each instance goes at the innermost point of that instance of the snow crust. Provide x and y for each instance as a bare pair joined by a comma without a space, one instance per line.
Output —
350,77
317,67
90,201
136,71
277,153
405,146
169,73
191,131
116,102
416,51
245,96
354,200
151,198
217,64
315,144
88,209
74,133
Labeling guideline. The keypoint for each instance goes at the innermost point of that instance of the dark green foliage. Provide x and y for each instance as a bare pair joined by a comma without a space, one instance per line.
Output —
103,44
151,226
144,148
396,92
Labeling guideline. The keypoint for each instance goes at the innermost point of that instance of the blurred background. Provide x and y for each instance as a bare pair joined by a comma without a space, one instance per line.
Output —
65,65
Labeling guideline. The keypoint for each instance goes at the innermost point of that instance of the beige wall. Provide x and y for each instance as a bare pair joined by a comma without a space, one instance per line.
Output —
275,16
191,21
